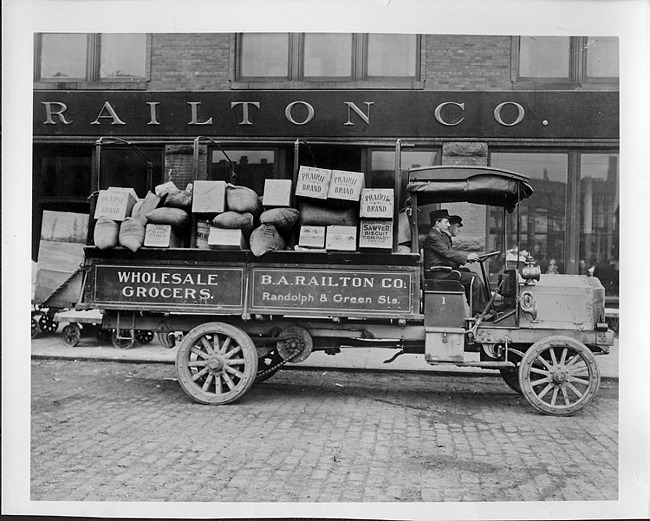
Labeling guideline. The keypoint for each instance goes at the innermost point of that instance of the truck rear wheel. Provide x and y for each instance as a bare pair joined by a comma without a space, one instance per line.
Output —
559,375
216,363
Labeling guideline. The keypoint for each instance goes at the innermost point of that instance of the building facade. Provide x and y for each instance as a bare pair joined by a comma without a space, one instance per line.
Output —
547,107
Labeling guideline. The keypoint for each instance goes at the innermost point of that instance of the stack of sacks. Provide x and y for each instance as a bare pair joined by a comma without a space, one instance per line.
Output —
167,223
113,209
231,228
328,201
276,221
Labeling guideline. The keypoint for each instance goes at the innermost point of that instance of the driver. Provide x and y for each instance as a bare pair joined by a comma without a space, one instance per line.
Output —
438,252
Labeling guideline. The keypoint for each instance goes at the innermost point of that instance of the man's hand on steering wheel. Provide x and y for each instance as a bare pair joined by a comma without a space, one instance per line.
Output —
472,257
485,256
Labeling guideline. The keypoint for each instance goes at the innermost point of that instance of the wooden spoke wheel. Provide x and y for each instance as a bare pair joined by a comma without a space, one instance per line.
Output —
35,329
143,336
124,340
47,323
71,334
216,363
559,376
268,365
510,375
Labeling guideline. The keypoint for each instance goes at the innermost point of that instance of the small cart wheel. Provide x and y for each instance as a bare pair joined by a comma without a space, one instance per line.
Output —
47,323
121,341
268,365
71,334
143,336
216,363
35,329
510,375
163,338
559,375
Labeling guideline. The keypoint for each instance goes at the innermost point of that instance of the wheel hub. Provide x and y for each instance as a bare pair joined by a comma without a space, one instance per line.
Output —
215,364
560,377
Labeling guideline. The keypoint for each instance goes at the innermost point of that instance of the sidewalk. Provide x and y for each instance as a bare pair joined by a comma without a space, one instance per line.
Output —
51,346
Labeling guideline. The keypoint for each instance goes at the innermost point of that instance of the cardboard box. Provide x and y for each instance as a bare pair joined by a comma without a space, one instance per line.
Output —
313,182
115,203
312,237
277,192
226,239
376,233
377,203
64,226
161,236
346,185
342,238
209,197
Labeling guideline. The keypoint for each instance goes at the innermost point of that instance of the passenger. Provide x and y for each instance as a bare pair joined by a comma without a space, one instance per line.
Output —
438,252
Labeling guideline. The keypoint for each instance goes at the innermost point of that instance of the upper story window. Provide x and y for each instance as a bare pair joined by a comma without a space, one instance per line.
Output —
321,59
567,61
90,58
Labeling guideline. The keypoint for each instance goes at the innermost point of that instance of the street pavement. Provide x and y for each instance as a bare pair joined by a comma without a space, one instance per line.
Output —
52,346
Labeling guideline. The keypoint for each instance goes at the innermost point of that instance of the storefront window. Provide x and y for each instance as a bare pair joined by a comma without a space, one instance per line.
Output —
125,167
118,61
599,213
252,167
543,216
328,55
265,55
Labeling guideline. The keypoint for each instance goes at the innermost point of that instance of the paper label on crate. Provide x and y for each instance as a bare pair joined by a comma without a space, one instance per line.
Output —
312,236
342,238
225,237
346,185
376,234
377,203
313,182
159,236
114,204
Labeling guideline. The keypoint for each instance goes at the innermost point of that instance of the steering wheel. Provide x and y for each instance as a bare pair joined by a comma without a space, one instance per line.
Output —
486,256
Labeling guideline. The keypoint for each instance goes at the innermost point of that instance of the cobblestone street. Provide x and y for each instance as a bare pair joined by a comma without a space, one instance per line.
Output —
127,432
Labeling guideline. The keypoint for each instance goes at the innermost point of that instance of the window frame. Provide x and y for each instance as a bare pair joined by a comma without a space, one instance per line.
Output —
92,79
578,49
296,79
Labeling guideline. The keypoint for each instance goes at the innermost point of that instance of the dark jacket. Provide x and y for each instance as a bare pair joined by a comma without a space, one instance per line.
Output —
438,251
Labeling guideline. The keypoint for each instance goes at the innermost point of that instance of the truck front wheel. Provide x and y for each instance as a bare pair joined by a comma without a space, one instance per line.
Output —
559,375
216,363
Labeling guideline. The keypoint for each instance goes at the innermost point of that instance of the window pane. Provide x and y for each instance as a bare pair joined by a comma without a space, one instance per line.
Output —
252,167
602,57
544,57
382,171
392,54
599,226
123,56
543,216
62,171
125,167
63,56
265,54
328,55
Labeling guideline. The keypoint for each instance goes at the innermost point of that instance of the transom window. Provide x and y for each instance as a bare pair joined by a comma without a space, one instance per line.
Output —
65,57
327,56
569,59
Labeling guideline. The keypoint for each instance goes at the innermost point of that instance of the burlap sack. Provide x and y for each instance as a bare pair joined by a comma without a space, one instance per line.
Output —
242,199
106,234
314,214
266,238
179,219
132,234
284,219
234,221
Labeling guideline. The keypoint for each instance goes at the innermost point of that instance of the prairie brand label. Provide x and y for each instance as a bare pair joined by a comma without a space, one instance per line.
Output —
333,290
169,286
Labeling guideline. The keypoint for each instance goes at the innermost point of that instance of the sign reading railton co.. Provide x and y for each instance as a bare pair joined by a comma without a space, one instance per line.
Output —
351,113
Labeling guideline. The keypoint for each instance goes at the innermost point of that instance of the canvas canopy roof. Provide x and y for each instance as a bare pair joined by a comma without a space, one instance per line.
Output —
472,184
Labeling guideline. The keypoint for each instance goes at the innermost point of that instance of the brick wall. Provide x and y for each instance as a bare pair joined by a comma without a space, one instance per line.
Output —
467,62
190,61
179,164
